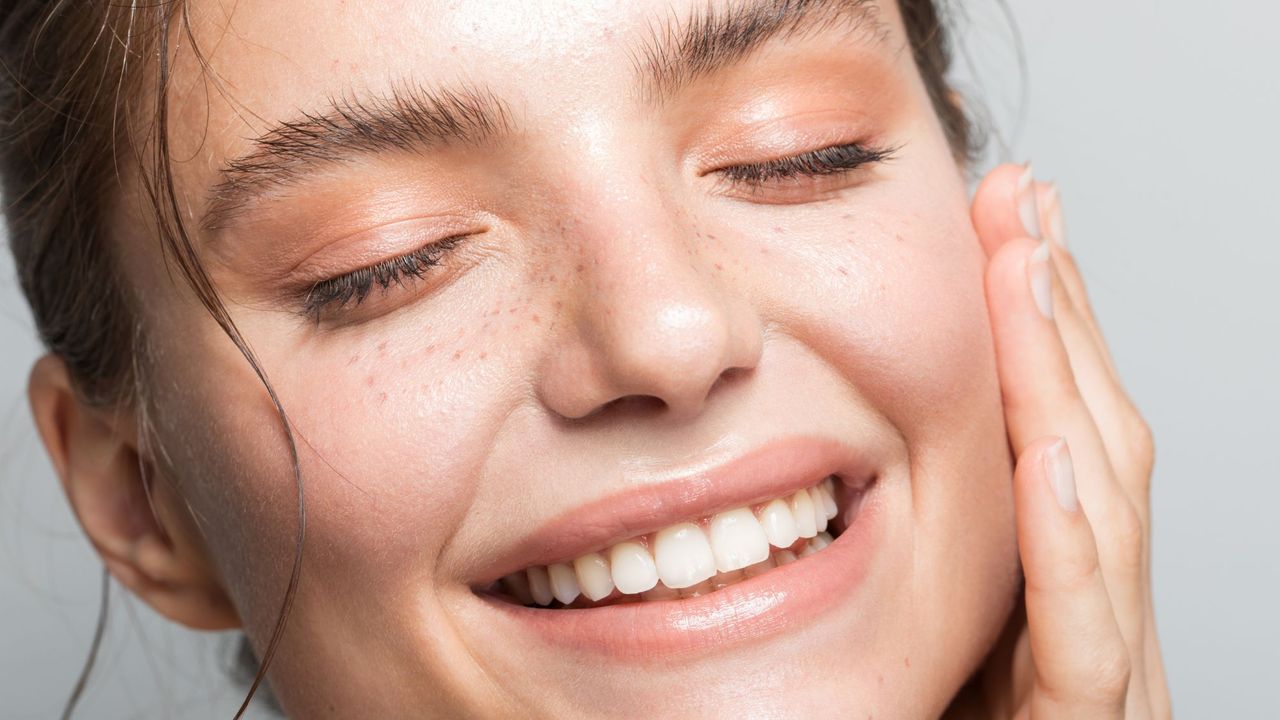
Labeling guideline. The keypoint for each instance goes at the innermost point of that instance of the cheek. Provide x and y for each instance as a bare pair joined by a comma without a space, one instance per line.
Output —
392,429
894,302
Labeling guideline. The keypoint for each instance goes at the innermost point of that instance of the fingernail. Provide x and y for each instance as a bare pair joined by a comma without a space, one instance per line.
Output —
1028,208
1061,475
1041,277
1056,230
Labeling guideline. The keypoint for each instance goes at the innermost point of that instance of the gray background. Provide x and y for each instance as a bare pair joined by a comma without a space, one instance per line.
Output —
1160,121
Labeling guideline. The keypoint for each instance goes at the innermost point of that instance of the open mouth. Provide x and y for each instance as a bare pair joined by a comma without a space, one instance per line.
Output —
694,557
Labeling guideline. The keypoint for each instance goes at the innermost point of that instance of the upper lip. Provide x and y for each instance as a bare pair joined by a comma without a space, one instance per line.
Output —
772,470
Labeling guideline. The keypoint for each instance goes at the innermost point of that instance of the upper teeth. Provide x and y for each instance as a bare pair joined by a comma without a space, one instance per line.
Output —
682,555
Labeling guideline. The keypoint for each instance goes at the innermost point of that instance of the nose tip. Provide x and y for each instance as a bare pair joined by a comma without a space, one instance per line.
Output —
667,359
690,350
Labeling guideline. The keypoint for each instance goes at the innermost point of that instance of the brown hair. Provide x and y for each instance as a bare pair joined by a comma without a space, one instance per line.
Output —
70,72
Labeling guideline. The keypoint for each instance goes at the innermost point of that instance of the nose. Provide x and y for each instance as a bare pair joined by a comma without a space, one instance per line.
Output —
651,322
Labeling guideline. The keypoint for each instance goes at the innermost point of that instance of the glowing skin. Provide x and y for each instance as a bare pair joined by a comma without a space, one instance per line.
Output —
441,422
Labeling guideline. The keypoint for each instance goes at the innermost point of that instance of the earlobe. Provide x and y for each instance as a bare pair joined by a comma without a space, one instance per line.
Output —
142,530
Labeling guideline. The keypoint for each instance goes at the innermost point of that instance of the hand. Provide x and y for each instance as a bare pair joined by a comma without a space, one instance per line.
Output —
1086,646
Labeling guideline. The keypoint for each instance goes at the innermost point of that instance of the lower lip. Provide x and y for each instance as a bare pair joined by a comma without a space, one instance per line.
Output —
784,598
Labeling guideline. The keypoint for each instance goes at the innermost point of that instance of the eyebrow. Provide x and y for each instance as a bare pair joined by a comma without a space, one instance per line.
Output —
675,53
408,117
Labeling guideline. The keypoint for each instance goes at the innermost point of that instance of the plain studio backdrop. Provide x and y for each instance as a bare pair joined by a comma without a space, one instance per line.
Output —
1159,120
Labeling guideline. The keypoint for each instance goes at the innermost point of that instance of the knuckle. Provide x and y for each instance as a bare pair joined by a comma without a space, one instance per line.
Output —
1142,443
1129,536
1112,673
1100,678
1138,443
1072,572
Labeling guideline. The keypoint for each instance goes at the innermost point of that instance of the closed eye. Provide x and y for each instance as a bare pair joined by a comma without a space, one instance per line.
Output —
835,160
353,287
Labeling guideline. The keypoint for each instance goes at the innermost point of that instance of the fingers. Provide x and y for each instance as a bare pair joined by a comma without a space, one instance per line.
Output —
1081,659
1036,377
1010,205
1053,228
1041,398
1058,378
1004,209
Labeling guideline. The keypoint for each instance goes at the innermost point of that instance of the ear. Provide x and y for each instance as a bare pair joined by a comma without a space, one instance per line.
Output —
145,534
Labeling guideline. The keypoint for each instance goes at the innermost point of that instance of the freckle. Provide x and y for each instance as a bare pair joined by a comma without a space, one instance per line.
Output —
710,236
483,354
906,661
898,237
719,266
842,271
580,267
779,229
382,397
382,346
846,216
764,251
536,319
457,354
512,309
559,303
431,348
553,277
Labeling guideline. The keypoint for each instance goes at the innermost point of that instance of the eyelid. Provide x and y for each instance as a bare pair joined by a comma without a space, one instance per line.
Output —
777,135
339,251
828,160
343,293
801,177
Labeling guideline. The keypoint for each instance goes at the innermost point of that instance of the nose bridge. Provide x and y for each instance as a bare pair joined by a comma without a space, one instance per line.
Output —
650,318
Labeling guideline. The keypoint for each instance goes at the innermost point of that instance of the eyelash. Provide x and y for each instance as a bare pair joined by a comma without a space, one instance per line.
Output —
356,285
832,160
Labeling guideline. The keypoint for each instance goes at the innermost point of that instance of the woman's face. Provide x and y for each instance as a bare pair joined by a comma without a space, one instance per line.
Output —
620,305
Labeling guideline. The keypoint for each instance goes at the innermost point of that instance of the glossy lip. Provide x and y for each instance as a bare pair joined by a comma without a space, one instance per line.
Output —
773,470
662,631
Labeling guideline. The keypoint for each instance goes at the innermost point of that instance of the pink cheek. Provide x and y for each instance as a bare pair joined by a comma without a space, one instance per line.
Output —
901,313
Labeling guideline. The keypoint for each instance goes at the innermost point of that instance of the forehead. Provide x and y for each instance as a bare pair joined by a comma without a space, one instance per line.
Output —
565,63
268,58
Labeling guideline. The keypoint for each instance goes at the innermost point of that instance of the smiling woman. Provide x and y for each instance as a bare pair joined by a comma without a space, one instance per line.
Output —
573,359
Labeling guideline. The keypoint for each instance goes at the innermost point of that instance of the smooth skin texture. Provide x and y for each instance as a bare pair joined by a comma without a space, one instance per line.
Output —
617,315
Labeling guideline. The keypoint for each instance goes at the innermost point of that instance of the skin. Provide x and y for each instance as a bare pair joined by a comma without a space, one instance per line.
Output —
621,316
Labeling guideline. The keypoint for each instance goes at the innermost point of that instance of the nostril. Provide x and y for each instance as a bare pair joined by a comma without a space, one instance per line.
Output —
635,403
